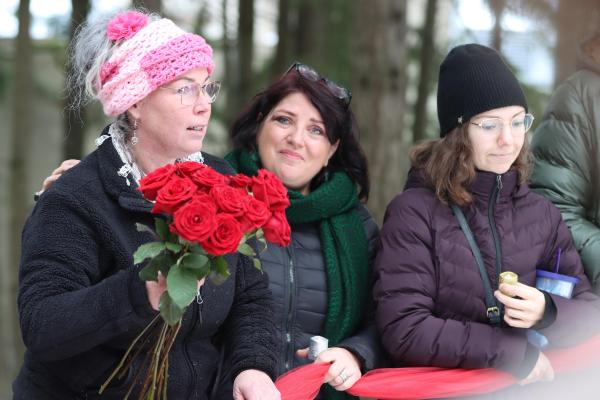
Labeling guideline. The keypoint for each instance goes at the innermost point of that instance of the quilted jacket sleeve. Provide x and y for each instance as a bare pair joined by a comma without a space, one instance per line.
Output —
565,146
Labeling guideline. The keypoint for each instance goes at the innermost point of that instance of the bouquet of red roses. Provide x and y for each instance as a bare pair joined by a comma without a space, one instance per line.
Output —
203,216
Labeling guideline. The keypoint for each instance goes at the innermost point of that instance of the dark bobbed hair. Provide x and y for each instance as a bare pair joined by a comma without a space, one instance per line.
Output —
339,120
448,164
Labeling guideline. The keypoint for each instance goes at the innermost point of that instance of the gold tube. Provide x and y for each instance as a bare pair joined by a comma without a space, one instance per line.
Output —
509,277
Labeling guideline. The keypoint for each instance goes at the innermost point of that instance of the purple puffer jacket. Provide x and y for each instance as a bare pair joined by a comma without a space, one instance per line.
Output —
429,295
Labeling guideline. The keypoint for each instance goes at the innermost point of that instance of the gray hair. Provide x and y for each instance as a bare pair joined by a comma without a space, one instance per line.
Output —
89,50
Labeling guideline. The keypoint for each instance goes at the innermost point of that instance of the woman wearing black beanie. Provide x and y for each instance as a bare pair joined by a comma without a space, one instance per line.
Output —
465,216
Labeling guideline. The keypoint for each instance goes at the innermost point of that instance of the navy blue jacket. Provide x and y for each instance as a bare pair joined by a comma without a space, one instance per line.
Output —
81,302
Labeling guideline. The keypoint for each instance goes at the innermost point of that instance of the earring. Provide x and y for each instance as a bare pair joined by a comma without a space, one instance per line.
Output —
134,138
326,175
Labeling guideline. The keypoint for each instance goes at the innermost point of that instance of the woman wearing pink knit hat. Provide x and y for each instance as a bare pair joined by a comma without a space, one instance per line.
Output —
81,301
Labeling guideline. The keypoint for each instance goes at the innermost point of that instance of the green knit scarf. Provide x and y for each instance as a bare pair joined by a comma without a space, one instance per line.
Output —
343,241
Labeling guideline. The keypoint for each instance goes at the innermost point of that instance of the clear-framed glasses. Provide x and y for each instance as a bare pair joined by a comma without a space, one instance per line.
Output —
189,93
493,126
336,90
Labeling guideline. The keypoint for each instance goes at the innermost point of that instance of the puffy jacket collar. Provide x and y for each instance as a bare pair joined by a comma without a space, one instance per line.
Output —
482,185
416,179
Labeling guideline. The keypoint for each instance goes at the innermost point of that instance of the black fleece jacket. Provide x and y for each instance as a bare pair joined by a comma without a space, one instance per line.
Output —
81,302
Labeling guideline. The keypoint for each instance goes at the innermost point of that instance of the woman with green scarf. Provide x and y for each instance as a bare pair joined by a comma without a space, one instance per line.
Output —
302,128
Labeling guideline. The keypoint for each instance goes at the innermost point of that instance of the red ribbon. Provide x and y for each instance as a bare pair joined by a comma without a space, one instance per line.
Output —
303,383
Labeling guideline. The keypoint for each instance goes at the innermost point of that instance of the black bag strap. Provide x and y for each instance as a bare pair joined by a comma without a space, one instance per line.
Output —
492,310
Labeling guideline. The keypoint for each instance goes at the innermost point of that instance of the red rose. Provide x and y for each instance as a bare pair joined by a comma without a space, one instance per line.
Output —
189,168
268,188
257,213
225,238
151,183
229,200
177,191
241,181
195,220
205,178
277,230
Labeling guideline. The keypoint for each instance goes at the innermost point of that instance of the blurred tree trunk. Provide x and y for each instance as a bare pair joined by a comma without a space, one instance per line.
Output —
574,20
74,118
311,29
202,19
380,83
320,36
20,199
304,30
497,7
245,52
426,68
150,5
282,53
227,108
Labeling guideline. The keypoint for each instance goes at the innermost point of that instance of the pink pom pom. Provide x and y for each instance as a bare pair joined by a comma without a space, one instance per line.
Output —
125,25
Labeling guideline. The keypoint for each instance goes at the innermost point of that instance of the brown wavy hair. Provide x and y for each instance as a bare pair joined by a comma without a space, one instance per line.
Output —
448,164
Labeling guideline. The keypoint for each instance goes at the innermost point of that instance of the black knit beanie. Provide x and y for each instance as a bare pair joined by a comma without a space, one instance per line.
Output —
474,79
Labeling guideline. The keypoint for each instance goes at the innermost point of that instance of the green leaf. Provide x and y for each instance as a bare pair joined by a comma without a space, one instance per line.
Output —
161,262
257,263
144,228
150,271
260,234
196,262
196,248
174,247
169,311
164,261
220,266
147,250
182,285
262,244
219,270
246,250
162,228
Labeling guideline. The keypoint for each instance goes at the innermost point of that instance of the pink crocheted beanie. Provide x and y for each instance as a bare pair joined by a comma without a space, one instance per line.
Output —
149,55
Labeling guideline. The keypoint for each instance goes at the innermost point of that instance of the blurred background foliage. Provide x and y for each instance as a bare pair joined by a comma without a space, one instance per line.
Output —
386,51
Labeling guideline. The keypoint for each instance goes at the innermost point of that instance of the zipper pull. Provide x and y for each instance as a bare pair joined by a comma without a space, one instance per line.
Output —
200,302
499,186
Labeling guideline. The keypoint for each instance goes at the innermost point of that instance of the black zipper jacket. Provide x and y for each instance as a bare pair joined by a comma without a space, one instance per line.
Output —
81,302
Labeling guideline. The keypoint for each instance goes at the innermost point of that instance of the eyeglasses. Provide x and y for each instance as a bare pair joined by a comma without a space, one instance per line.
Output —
494,126
189,93
307,72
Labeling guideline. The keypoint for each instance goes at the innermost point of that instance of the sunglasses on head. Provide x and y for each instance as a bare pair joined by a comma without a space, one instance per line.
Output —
336,90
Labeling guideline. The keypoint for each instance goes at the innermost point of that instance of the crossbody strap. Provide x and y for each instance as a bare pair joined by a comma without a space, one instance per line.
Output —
492,310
